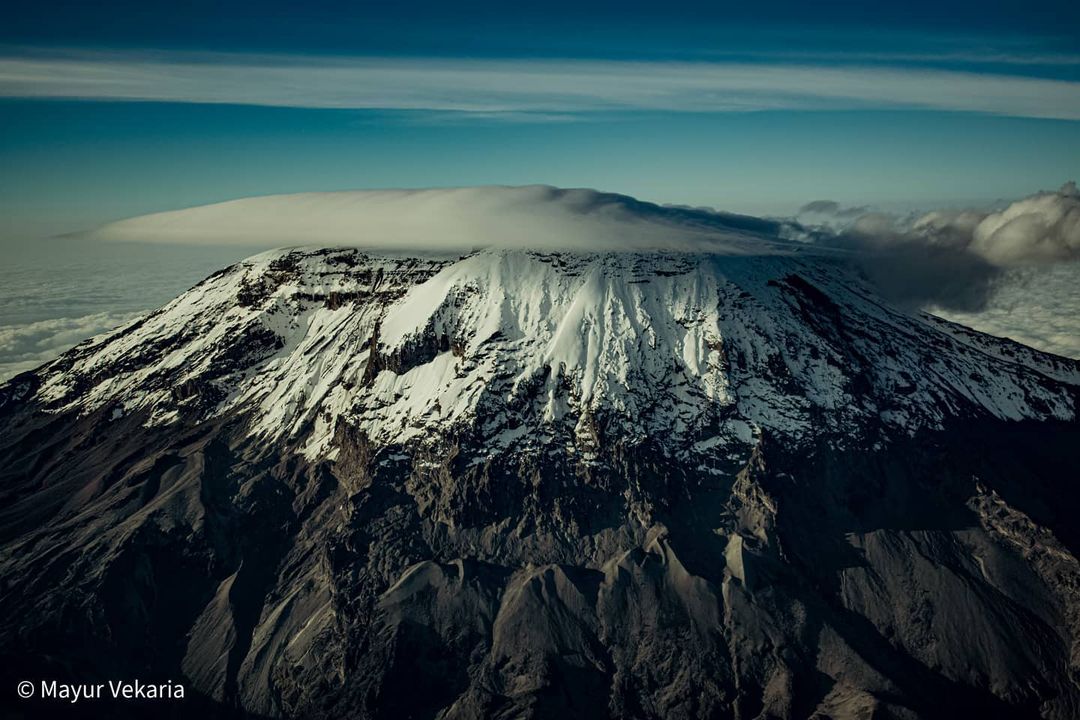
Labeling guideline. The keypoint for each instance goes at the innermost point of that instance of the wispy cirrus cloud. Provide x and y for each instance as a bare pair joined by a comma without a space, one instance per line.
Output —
515,88
1024,57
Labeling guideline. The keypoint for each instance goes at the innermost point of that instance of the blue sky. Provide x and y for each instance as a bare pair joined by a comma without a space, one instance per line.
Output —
114,109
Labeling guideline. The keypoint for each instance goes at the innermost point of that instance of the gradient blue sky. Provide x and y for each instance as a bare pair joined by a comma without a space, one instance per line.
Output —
114,109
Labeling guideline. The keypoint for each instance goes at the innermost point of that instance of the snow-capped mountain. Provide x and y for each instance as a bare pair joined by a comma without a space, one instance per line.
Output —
513,348
330,482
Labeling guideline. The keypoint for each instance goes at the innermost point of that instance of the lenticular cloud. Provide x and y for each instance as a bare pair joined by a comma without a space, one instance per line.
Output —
458,219
945,259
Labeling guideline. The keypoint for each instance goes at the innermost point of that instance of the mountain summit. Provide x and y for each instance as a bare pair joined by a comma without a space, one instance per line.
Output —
515,484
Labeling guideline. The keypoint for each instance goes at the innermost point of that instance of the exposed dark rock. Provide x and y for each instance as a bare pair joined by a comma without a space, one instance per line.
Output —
578,567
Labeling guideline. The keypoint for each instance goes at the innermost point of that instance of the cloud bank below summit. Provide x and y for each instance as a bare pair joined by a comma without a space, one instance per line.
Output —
1041,228
25,347
952,259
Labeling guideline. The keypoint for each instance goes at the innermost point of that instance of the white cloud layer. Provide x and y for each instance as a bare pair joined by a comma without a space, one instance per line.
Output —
950,259
1041,228
456,220
25,347
1038,306
547,88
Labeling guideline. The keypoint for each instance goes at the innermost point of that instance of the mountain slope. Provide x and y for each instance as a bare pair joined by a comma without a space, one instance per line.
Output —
626,484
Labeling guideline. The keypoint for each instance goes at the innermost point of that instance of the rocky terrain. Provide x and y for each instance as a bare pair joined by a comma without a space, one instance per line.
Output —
326,483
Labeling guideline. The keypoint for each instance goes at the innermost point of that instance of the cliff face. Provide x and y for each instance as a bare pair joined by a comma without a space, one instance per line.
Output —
328,484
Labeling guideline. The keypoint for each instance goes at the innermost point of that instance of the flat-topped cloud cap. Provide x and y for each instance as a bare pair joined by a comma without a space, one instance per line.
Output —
458,219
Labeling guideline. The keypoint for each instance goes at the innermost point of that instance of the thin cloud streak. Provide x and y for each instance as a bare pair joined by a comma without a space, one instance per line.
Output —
961,57
556,88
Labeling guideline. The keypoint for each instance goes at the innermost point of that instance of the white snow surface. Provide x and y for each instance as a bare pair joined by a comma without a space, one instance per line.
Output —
519,350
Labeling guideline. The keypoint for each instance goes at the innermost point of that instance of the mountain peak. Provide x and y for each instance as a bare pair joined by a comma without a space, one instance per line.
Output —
537,484
706,350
